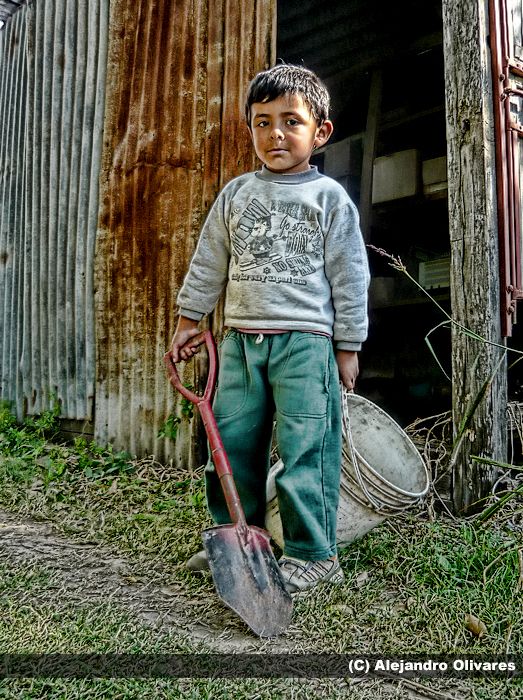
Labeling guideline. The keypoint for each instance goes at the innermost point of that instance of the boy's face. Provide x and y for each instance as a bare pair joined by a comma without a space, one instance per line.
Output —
284,133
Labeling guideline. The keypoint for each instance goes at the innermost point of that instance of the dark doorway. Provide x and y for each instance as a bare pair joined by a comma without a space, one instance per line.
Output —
383,64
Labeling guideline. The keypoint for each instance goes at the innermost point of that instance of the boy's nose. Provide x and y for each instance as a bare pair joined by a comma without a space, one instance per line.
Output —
277,134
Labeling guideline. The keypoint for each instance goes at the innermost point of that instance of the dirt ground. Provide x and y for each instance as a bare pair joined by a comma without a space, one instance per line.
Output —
89,573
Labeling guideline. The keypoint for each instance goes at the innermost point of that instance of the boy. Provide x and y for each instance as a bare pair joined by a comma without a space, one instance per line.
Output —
285,243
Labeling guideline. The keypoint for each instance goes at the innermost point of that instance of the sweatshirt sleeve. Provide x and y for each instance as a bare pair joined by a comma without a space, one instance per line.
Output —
347,269
207,274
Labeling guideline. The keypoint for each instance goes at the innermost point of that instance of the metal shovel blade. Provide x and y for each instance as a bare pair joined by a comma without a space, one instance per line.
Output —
247,577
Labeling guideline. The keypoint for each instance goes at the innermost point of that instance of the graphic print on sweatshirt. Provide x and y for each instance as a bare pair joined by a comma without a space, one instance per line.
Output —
284,242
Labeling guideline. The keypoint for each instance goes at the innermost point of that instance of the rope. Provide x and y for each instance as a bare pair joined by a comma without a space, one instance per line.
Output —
351,460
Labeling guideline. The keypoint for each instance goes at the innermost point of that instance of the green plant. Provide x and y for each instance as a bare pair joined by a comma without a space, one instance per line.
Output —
96,461
169,429
53,464
187,407
28,437
18,439
46,423
7,418
507,497
28,450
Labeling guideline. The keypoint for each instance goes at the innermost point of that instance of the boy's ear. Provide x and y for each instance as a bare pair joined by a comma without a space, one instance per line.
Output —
323,133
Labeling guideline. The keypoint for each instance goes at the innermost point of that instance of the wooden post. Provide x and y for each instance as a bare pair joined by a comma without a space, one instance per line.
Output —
475,293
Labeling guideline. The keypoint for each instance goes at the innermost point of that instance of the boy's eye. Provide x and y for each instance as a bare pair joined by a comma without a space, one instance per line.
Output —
263,122
292,122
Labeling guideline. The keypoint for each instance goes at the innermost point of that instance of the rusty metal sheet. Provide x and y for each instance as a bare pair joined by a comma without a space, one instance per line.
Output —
177,72
52,89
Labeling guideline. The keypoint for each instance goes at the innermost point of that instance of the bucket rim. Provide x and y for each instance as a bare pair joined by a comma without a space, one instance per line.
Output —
378,504
413,495
348,397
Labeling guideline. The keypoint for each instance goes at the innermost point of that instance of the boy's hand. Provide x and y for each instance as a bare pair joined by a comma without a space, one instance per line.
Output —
348,367
181,346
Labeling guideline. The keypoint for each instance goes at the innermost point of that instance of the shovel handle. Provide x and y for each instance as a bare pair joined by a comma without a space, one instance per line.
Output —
203,337
219,457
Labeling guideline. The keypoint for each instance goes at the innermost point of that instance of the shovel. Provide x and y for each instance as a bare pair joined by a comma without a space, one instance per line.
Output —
245,572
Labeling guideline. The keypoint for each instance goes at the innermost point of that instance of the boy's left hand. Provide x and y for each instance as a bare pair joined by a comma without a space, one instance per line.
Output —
348,367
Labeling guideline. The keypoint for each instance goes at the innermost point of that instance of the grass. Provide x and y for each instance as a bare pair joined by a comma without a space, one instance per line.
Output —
409,583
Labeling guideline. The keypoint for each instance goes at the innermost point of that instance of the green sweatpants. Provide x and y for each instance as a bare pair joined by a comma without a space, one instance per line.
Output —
292,377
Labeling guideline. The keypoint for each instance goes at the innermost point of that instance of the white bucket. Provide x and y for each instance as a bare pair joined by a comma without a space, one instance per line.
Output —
382,475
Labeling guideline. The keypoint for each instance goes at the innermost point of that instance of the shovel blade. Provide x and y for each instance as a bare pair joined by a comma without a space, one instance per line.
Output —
247,577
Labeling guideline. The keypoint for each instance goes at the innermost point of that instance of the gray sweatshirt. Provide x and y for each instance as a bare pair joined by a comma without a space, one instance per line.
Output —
289,250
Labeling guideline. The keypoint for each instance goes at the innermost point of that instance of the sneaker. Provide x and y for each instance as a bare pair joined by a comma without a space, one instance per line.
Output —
198,562
301,575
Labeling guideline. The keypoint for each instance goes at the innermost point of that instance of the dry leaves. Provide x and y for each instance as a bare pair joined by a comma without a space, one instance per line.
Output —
475,625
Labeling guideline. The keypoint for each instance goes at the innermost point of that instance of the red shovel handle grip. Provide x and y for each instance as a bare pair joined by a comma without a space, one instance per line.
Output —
203,337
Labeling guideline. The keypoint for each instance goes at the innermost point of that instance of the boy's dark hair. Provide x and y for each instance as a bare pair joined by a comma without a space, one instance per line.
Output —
286,79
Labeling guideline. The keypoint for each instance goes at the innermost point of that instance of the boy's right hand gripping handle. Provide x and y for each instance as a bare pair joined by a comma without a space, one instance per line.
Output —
203,337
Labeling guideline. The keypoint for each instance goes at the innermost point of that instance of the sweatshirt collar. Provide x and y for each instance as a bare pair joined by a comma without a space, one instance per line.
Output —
290,178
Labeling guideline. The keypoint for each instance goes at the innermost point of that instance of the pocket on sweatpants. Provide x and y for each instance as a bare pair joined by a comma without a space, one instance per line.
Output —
231,390
302,388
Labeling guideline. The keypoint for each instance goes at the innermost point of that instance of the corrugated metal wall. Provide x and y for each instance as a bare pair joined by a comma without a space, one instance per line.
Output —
13,96
177,72
52,87
173,135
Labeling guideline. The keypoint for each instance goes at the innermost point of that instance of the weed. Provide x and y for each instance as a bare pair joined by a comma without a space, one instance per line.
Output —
409,582
29,437
53,465
187,407
28,451
169,429
511,497
45,425
7,419
96,461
